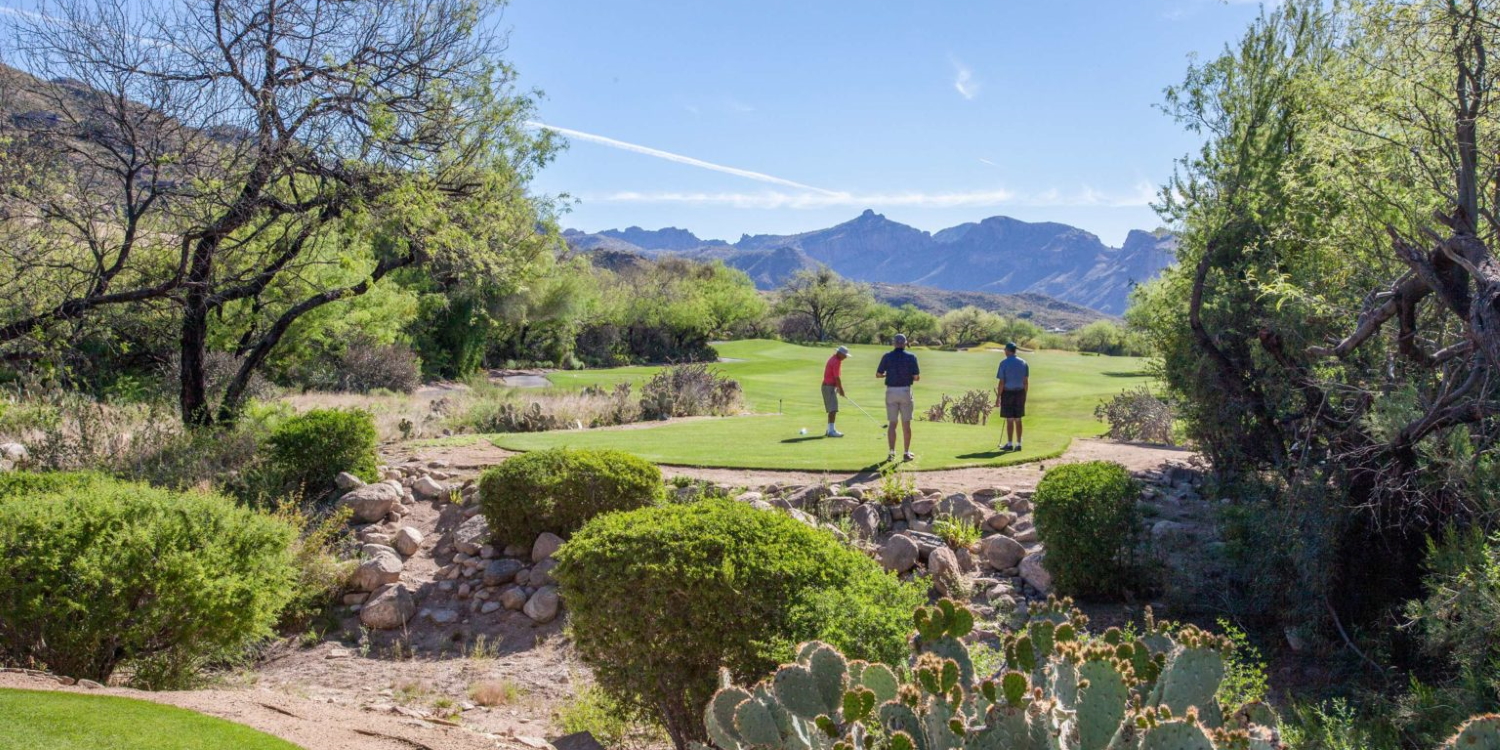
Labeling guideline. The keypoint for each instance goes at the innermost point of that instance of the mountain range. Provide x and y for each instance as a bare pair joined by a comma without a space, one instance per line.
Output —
998,255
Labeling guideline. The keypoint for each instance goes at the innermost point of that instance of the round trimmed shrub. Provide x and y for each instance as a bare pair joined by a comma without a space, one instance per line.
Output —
559,490
1087,519
101,574
311,448
662,597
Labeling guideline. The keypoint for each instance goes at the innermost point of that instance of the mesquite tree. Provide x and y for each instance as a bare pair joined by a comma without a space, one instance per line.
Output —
232,165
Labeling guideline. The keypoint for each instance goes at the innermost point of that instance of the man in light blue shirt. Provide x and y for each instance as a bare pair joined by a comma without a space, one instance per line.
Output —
1013,379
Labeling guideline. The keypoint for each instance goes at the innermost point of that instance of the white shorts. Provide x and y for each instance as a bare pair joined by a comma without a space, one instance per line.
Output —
898,404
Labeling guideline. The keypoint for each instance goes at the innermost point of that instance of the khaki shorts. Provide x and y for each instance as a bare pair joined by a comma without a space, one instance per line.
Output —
898,404
830,399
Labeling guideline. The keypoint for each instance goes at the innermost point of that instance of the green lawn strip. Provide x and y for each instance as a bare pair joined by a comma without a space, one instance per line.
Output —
1065,388
51,720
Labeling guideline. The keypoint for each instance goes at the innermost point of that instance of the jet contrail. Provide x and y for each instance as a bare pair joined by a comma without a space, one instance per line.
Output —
679,158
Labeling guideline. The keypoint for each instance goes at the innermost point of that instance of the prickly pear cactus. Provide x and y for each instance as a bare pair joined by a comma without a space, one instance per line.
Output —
1479,733
1062,689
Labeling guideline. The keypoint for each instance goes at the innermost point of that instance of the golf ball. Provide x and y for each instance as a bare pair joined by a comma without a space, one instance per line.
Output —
802,431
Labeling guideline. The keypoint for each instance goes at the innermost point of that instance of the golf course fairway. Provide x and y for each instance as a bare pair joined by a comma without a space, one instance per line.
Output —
38,720
1065,388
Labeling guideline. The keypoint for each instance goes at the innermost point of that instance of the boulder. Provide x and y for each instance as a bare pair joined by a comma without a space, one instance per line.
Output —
471,535
942,565
370,549
808,496
866,520
899,554
965,560
388,608
1001,552
1018,504
990,493
1024,532
428,488
839,506
513,598
377,571
502,571
750,497
856,492
543,605
541,574
1034,572
544,546
408,540
922,507
1000,521
346,481
961,507
371,502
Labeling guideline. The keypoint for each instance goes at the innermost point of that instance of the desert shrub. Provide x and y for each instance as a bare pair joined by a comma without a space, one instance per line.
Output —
691,390
102,574
1086,517
614,725
973,407
956,532
366,366
661,597
559,490
310,449
1136,416
492,409
323,556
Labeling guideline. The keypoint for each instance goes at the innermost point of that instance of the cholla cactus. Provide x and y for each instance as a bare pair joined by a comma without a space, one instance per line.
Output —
1061,690
1479,733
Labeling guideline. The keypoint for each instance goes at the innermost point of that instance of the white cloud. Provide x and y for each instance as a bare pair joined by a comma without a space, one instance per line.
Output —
1142,195
737,106
678,158
983,160
964,83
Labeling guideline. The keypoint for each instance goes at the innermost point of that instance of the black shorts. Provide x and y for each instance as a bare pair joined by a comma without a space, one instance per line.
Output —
1013,404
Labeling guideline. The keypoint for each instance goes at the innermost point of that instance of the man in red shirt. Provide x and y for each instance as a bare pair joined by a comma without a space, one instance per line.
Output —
833,387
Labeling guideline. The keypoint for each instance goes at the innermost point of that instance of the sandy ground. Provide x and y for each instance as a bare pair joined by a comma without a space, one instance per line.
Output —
316,724
1134,456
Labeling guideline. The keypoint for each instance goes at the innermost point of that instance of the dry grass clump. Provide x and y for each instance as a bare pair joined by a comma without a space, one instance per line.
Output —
494,693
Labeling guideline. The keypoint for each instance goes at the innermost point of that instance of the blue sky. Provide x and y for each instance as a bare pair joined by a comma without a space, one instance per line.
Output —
933,113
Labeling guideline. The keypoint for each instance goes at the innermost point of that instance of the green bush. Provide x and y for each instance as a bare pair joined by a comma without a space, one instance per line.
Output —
559,490
1086,517
310,449
101,574
662,597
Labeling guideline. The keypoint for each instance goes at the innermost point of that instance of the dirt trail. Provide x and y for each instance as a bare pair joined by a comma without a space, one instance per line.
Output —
315,725
1134,456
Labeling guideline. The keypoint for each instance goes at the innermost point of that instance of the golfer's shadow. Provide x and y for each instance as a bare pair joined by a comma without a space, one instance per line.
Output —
995,453
805,439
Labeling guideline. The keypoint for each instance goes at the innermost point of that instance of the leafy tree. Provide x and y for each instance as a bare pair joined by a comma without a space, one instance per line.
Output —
282,156
1018,330
918,325
968,326
827,306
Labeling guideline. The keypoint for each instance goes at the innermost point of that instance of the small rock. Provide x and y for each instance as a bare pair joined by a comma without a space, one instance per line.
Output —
543,605
922,507
502,571
899,554
750,497
965,560
389,607
355,598
808,496
516,550
942,565
408,540
371,502
489,607
90,684
839,506
1024,532
545,545
1169,528
344,481
444,616
1034,571
1001,552
1018,504
428,488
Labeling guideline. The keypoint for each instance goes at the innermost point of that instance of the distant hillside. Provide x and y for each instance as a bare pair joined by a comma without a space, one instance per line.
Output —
999,255
1047,312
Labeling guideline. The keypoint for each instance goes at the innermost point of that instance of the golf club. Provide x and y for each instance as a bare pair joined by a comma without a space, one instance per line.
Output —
862,411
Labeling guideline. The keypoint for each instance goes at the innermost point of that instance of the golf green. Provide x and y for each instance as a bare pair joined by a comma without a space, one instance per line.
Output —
45,720
781,383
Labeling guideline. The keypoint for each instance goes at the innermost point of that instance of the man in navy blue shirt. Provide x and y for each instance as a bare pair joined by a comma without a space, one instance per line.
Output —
1012,381
899,368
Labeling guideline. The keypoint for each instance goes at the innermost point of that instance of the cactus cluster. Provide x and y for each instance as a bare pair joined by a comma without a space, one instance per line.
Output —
1061,689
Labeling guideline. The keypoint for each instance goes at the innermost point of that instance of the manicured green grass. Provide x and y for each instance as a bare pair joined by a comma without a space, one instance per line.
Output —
44,720
781,386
